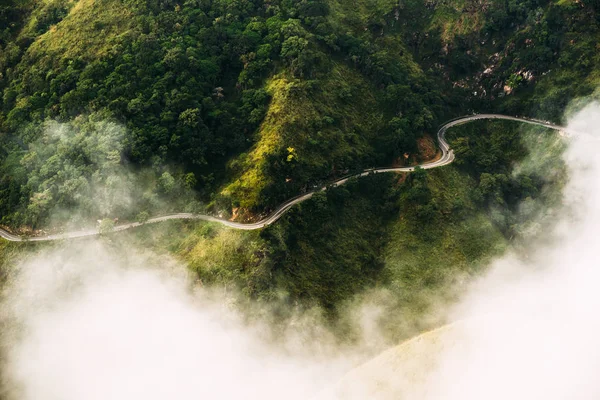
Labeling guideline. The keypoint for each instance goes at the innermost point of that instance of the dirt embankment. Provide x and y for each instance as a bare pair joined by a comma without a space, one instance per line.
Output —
427,152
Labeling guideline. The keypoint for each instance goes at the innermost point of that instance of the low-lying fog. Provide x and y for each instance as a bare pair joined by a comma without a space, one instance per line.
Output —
531,326
84,322
97,326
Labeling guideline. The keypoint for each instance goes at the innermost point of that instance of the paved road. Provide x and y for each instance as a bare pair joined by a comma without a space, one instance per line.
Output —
446,158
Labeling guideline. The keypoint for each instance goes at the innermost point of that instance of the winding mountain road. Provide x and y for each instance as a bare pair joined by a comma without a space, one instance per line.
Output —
446,158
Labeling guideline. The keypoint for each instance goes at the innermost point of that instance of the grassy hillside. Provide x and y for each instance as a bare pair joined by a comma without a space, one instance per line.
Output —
233,107
249,103
296,95
402,244
88,29
310,130
435,248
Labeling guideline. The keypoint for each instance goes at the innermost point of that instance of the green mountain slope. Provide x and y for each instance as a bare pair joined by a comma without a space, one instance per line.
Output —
203,86
234,106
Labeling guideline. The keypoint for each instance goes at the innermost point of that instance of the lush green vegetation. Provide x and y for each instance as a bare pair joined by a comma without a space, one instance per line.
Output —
402,243
522,57
253,102
320,253
75,173
453,221
281,90
489,151
131,108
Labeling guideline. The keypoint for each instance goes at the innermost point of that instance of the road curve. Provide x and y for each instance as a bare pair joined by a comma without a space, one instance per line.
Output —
446,158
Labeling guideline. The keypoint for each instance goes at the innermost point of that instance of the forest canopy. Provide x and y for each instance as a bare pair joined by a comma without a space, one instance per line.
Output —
251,102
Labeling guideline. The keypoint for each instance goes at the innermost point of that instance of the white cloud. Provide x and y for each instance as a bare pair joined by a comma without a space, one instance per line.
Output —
90,325
530,327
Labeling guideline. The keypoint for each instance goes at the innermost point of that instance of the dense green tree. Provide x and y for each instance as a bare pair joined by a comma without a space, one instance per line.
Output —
189,81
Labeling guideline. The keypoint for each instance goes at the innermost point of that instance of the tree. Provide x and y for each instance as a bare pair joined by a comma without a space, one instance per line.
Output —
166,183
142,217
107,226
190,181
